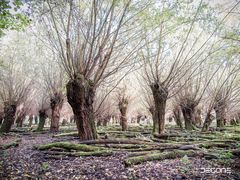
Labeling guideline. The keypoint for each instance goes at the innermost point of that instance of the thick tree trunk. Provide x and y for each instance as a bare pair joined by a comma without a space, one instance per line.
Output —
188,114
220,114
123,117
155,121
160,95
42,120
9,116
177,117
80,94
123,120
207,122
198,119
56,106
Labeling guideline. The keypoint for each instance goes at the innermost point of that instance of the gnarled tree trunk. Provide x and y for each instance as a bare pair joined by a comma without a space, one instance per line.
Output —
80,95
42,119
188,114
177,116
198,119
160,95
9,116
155,120
56,106
123,105
220,114
207,122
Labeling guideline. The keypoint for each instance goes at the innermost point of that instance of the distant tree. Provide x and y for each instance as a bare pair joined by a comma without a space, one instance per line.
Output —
174,44
123,101
43,108
14,90
53,80
16,81
222,90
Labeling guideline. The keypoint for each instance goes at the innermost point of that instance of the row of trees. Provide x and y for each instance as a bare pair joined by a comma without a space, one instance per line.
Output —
182,52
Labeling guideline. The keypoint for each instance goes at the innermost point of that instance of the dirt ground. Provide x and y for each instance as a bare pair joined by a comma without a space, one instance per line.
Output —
24,162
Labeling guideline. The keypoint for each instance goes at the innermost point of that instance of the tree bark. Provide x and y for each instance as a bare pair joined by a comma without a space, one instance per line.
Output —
197,118
80,95
155,121
188,114
220,114
123,105
207,122
177,117
160,95
9,116
42,120
56,106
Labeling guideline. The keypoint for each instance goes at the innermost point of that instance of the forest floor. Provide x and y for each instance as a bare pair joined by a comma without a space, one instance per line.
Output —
19,158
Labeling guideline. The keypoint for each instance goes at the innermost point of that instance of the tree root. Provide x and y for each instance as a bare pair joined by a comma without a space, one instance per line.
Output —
125,146
15,143
166,136
75,134
159,156
154,148
116,141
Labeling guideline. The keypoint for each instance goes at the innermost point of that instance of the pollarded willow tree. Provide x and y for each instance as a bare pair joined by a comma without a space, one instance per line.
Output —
92,41
43,107
104,105
166,59
16,76
123,101
26,108
53,80
15,88
221,92
174,45
192,92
